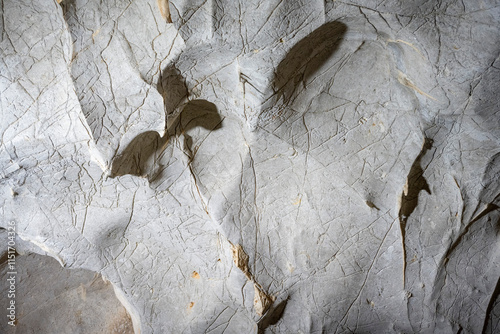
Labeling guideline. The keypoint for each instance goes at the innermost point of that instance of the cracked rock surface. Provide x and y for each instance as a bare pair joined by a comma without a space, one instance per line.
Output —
53,299
261,166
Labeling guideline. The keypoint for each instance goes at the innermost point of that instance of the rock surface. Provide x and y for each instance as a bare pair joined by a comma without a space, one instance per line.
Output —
261,166
52,299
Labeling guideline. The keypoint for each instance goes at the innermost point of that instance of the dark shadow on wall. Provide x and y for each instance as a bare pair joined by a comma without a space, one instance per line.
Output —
272,317
173,89
305,58
134,159
415,184
141,156
197,113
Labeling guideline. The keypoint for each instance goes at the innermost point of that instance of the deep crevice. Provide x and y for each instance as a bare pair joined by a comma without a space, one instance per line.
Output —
415,183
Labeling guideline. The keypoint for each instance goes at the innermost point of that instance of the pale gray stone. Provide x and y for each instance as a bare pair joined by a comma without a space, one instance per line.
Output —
52,299
261,166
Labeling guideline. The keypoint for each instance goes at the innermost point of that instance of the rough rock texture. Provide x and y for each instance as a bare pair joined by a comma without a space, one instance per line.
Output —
52,299
261,166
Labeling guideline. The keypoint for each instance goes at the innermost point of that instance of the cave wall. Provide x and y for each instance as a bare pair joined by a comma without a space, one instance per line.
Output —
261,166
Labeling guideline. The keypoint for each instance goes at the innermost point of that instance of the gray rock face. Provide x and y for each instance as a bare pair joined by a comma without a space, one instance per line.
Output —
261,166
52,299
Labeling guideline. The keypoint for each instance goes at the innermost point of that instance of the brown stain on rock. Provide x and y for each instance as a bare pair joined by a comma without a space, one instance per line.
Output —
120,324
164,8
261,301
240,259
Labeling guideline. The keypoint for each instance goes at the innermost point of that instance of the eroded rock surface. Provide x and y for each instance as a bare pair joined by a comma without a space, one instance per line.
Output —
261,166
52,299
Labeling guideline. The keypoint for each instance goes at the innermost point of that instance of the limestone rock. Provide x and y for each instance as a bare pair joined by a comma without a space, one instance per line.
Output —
348,149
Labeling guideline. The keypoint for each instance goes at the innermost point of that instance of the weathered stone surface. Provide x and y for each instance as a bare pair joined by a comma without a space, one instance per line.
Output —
52,299
261,166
